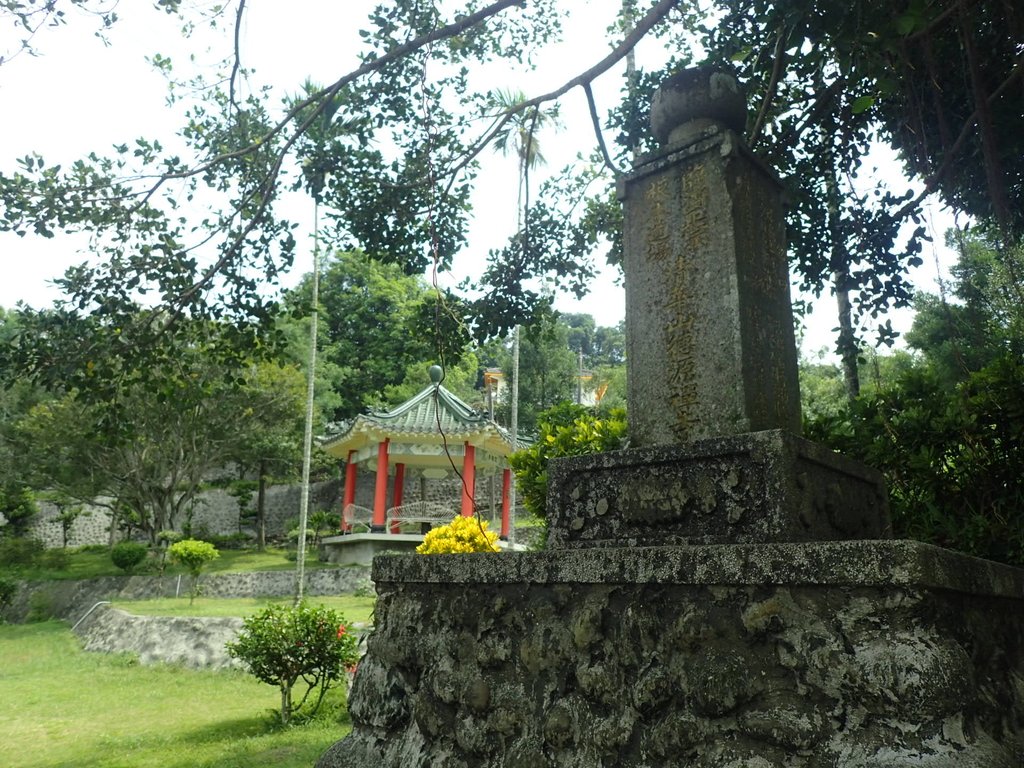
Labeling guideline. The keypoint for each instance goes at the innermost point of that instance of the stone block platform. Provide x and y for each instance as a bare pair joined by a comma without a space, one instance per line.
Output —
753,487
887,654
360,548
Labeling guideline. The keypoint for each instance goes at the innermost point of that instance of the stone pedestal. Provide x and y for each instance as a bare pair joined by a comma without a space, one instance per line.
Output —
880,654
361,548
763,486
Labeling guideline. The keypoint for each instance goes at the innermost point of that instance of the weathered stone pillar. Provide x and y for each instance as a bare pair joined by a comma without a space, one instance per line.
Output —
398,492
350,487
710,347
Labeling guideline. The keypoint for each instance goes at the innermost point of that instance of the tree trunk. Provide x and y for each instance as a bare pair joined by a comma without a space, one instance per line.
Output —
847,342
261,517
839,265
286,704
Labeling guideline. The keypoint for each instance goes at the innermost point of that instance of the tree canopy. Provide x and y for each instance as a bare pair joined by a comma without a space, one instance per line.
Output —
197,230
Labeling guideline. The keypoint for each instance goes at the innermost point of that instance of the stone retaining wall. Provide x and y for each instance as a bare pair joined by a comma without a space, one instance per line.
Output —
71,599
216,511
198,643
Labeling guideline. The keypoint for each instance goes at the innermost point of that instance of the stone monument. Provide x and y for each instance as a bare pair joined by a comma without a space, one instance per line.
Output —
724,592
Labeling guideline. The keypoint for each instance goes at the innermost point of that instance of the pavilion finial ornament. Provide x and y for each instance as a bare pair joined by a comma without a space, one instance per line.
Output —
436,374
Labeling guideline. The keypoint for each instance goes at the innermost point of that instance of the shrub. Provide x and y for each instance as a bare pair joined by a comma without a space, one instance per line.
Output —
953,457
128,554
167,537
228,541
293,536
40,606
18,506
56,559
8,589
282,645
194,555
463,534
565,430
20,551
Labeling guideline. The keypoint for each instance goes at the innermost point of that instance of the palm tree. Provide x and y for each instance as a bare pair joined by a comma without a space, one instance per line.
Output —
519,135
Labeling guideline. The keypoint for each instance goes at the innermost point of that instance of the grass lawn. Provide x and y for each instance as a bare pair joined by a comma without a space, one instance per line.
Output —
90,562
63,708
354,608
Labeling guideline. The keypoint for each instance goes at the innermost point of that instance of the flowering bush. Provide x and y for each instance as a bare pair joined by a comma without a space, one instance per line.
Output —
282,645
463,534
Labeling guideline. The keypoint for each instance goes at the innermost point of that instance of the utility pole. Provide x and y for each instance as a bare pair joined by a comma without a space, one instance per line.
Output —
514,429
579,380
307,441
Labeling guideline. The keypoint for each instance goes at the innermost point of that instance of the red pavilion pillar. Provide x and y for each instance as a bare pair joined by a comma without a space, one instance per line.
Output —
468,480
380,496
506,486
399,490
350,489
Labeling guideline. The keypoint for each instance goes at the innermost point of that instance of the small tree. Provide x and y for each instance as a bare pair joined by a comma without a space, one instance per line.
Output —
282,645
68,510
18,506
128,554
164,539
8,590
194,555
320,522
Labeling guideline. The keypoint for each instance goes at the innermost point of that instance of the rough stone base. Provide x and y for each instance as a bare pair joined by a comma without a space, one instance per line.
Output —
754,487
849,654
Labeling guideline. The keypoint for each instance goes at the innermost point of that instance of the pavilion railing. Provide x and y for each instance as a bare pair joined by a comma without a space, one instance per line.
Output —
424,512
353,515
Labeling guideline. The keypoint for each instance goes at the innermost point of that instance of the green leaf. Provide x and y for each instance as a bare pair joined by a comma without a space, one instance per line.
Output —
862,104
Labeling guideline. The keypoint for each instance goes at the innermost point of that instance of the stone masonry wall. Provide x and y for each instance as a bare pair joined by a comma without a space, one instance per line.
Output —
71,599
216,511
681,657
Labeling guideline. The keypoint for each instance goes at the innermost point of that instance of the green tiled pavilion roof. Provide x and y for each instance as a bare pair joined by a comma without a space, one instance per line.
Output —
433,417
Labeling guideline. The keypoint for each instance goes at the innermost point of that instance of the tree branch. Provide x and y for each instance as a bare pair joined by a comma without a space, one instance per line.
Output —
597,131
320,99
646,24
237,63
773,84
932,181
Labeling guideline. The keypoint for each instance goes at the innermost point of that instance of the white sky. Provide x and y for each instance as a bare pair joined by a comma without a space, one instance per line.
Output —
81,96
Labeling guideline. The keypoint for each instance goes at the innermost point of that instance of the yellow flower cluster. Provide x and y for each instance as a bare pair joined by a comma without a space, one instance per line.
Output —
463,534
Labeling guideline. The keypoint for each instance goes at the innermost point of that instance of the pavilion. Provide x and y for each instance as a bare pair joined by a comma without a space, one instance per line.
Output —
434,435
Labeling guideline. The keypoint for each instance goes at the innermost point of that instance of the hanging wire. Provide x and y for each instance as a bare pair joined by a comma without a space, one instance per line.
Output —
440,305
